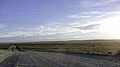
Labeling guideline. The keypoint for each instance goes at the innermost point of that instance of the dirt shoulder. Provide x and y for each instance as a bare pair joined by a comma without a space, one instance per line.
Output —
4,54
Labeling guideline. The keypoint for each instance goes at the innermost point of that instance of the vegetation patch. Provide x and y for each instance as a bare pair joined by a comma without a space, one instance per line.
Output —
110,47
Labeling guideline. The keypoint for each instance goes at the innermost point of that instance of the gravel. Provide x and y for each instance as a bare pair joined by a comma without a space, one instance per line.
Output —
48,59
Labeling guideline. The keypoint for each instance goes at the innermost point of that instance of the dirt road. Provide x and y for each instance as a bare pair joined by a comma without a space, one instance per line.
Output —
47,59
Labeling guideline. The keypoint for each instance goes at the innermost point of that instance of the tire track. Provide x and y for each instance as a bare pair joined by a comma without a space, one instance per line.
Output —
46,59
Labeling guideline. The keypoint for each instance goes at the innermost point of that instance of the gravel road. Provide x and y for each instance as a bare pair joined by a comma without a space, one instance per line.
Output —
48,59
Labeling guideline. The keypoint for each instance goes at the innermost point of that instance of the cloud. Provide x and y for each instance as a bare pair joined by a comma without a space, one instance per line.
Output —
93,14
50,30
94,3
89,27
80,16
39,31
58,30
15,34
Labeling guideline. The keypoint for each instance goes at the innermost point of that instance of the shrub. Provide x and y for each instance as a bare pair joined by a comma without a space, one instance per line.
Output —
118,52
109,53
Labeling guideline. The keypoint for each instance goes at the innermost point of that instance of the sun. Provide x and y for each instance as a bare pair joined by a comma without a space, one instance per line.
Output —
111,27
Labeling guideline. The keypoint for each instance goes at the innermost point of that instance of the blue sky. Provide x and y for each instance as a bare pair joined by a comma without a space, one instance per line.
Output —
43,20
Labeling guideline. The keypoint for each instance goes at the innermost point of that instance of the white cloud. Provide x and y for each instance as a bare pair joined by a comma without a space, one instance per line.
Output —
80,16
41,30
106,28
93,15
76,30
94,3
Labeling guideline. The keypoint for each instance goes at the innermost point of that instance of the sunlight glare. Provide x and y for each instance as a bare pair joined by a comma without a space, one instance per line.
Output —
111,27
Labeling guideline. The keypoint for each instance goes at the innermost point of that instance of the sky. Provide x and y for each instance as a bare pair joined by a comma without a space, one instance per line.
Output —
56,20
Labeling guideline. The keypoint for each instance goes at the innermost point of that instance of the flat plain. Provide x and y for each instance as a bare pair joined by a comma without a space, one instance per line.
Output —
111,47
83,53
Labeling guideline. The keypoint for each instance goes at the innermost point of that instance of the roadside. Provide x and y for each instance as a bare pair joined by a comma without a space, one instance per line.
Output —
4,54
99,57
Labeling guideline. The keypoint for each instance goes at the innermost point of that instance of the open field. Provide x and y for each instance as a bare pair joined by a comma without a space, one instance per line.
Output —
49,59
81,46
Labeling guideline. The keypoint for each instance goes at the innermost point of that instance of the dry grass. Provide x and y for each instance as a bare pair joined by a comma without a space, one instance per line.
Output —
84,46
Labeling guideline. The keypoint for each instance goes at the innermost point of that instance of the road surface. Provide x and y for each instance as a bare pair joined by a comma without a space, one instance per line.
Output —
47,59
